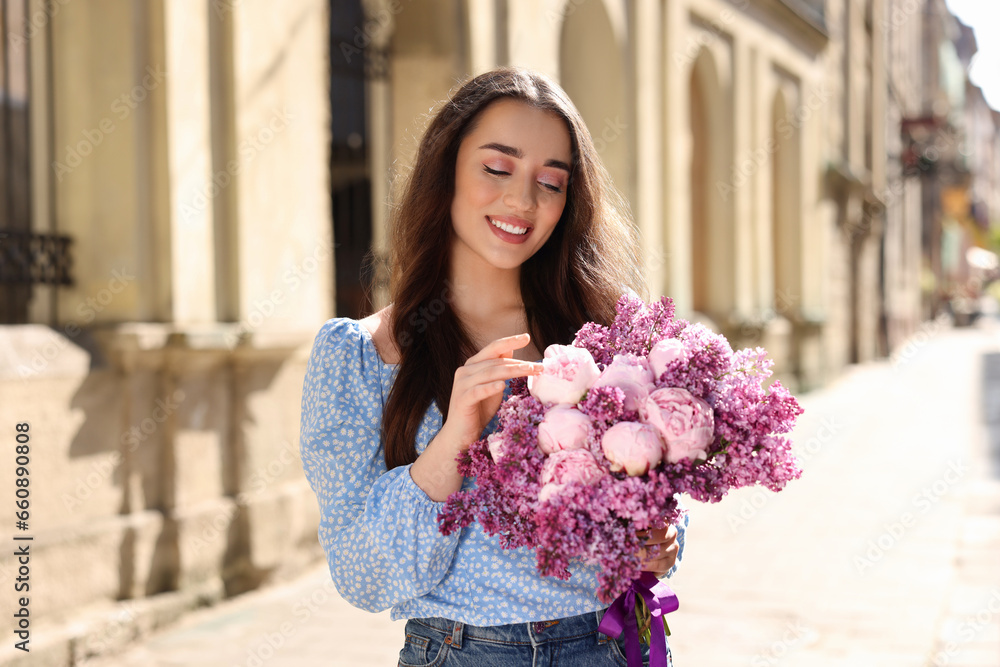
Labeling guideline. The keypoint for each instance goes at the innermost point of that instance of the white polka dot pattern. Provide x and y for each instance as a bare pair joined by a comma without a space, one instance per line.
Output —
379,529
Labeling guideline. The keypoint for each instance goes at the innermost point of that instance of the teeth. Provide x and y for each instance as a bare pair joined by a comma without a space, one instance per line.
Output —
510,229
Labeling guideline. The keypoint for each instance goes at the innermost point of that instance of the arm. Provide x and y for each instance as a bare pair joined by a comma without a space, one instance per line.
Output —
378,528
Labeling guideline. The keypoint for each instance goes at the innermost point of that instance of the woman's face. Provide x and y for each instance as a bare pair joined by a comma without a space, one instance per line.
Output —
511,178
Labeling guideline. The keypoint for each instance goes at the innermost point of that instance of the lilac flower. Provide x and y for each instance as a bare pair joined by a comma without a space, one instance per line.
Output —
598,522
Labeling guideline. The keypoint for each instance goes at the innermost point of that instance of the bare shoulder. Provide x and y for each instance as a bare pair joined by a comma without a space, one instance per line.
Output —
379,324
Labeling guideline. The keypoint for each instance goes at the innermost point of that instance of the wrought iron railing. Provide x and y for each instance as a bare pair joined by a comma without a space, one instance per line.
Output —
29,258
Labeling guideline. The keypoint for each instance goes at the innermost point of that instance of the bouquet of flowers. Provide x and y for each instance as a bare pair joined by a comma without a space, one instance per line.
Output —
593,452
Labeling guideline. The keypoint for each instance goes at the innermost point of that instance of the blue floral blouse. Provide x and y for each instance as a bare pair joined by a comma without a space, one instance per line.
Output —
380,530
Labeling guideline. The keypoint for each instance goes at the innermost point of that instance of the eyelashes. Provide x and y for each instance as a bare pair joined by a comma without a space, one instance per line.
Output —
555,189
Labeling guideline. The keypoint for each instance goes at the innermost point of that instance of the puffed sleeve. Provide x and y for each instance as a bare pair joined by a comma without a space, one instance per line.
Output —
378,528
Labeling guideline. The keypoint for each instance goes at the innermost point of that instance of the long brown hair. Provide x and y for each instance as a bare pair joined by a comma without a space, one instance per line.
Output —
578,275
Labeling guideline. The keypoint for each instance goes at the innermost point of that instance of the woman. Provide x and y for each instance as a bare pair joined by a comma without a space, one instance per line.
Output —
507,240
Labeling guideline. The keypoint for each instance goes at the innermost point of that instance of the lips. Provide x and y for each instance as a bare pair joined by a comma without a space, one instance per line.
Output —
509,228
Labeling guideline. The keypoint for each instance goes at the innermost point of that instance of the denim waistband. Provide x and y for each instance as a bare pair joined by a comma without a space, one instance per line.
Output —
533,633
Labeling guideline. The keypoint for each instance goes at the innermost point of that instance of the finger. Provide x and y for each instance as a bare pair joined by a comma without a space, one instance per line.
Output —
493,374
481,392
501,347
663,544
662,550
497,369
666,532
662,535
493,370
656,552
656,565
472,367
658,570
662,561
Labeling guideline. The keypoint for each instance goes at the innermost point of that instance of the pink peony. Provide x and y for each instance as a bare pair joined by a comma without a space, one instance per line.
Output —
631,375
573,465
549,490
633,446
662,354
494,442
684,420
567,375
563,428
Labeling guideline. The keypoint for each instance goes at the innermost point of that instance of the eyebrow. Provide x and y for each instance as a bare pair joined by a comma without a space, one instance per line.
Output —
516,152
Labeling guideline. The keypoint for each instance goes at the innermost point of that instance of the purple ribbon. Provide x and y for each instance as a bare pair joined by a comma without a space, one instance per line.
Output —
621,616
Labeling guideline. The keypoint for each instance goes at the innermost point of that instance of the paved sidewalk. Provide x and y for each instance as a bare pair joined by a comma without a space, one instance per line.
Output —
304,623
885,553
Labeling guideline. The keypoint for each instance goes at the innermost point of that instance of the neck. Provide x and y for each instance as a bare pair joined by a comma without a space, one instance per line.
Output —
482,295
486,299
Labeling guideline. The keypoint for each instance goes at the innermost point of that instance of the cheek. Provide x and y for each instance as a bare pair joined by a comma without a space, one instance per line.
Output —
473,193
552,211
472,198
548,217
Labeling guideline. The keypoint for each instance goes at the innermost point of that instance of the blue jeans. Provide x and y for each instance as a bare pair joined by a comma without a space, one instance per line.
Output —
568,642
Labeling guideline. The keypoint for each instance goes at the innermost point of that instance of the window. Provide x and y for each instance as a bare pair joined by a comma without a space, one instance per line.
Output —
352,61
26,258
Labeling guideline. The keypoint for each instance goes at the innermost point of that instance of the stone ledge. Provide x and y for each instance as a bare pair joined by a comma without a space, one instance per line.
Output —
221,336
36,351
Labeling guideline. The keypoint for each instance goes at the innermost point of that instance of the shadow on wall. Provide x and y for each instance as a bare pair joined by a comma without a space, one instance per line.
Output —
991,408
177,432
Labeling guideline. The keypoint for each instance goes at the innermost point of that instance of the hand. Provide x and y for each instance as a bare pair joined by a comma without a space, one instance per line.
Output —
475,398
666,555
479,385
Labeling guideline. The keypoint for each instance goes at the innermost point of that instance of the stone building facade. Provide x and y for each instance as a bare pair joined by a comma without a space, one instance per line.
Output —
182,146
222,168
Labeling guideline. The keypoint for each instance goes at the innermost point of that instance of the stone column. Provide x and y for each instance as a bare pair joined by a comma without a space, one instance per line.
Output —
190,185
676,178
284,250
99,95
762,263
735,297
482,36
651,145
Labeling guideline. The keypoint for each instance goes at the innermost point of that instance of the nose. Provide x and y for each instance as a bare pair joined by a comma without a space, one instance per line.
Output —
520,195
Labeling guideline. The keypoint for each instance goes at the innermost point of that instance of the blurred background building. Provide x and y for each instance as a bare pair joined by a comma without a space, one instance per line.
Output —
191,187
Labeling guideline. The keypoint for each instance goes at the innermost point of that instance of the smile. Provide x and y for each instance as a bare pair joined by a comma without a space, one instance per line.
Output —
510,229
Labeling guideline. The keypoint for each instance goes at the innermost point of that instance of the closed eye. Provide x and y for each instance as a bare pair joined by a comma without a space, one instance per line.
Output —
555,189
